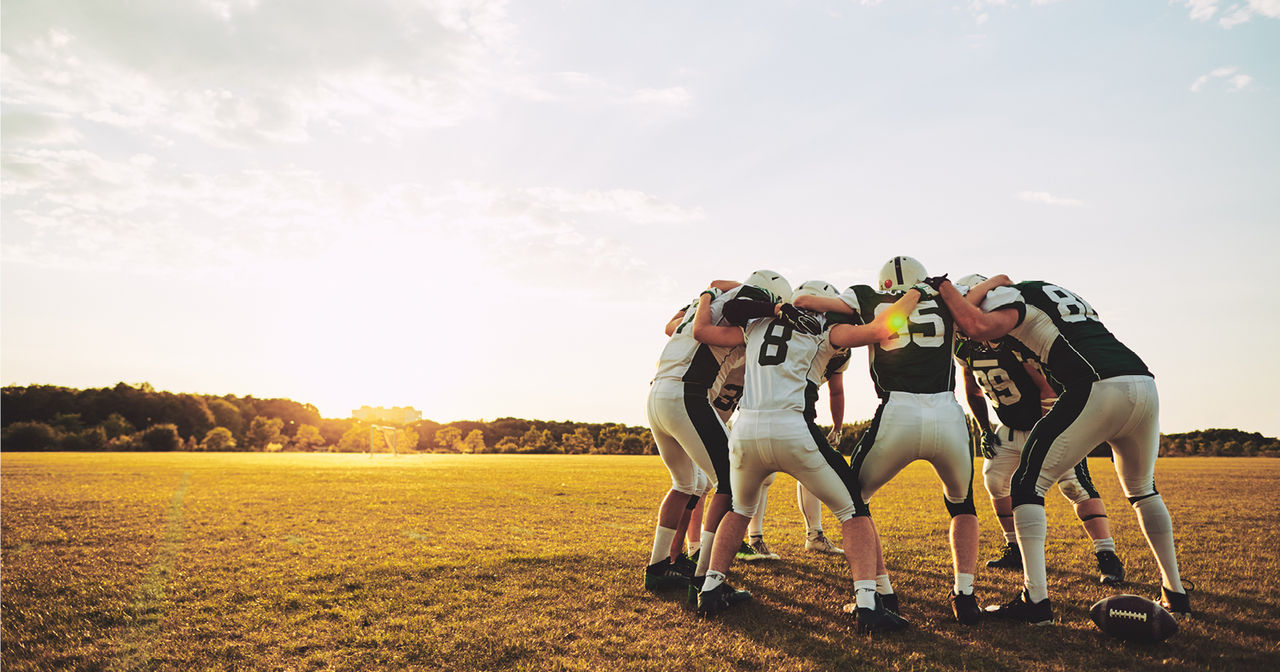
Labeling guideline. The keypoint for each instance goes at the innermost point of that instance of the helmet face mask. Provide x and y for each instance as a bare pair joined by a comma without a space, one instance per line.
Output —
771,281
900,273
815,288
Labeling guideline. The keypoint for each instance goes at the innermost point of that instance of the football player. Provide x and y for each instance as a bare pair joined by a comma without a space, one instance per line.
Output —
1020,393
688,432
1109,396
918,417
787,351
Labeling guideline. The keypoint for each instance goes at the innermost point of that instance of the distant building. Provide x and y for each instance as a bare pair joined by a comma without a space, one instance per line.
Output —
400,415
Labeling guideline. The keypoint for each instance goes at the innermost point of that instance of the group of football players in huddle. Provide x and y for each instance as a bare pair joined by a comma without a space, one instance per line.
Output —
1060,382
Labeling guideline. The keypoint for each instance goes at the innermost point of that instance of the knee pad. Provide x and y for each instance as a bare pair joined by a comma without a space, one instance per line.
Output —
1134,500
1072,490
997,485
961,508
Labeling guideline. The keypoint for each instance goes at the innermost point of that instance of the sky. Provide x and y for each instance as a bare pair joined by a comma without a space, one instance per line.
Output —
487,208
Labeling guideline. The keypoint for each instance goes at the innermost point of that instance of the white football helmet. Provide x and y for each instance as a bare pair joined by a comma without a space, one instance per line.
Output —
900,274
815,288
968,282
774,282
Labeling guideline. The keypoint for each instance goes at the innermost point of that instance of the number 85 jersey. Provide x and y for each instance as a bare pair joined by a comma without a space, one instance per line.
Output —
917,359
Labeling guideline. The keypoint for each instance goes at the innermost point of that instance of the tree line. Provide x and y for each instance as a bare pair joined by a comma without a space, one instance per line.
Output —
141,418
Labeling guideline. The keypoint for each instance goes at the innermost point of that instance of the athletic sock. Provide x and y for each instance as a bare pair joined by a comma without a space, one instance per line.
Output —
1011,537
811,509
964,584
864,592
693,548
704,559
662,538
1029,521
1100,545
1157,526
713,581
883,586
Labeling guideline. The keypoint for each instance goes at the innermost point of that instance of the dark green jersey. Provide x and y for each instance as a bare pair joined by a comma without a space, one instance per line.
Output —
918,358
1064,333
999,369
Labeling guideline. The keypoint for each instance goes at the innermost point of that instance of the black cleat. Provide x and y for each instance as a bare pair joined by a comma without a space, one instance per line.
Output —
1010,558
721,598
1178,604
1110,568
966,609
1021,609
662,575
889,600
685,565
880,619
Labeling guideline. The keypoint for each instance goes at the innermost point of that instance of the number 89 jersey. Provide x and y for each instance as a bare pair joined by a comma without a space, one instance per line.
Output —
917,359
1000,373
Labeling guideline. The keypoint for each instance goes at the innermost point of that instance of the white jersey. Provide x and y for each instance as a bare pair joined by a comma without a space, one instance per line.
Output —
784,365
689,361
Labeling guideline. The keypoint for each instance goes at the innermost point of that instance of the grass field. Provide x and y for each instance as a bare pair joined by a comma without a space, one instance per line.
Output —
309,562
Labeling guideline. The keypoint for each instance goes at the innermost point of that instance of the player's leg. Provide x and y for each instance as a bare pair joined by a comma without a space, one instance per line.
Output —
748,472
949,450
1077,487
1135,454
997,471
815,539
703,435
755,548
1082,418
660,573
886,448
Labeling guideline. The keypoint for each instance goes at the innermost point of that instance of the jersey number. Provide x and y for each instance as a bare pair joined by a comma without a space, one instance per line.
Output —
1072,307
728,399
775,338
995,381
924,327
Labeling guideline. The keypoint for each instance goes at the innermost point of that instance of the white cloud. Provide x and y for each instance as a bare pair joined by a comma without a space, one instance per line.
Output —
1235,82
1047,198
1204,10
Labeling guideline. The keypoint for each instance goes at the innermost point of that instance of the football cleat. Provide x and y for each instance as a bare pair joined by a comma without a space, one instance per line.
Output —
1178,604
756,550
889,600
685,565
966,608
821,544
1022,609
695,587
1110,568
662,575
721,598
871,621
1010,557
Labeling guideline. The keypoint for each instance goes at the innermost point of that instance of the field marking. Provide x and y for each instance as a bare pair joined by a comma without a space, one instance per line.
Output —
139,638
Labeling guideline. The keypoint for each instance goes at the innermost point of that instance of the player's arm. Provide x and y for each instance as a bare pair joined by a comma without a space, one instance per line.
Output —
977,402
724,285
976,324
979,291
886,324
675,321
711,334
835,396
822,304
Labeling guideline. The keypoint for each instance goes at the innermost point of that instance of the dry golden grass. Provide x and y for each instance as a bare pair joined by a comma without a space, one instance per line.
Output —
308,562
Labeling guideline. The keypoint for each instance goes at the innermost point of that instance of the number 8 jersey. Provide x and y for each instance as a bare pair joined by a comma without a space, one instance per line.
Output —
784,367
917,359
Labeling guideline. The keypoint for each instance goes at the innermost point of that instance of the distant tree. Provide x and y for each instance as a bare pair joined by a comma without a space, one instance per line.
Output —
263,431
355,440
449,439
610,442
157,438
474,443
308,439
89,439
507,445
218,439
632,445
406,440
579,442
115,425
30,436
226,414
535,441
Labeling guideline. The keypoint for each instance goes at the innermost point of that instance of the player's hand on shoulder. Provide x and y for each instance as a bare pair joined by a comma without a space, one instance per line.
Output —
799,319
936,281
